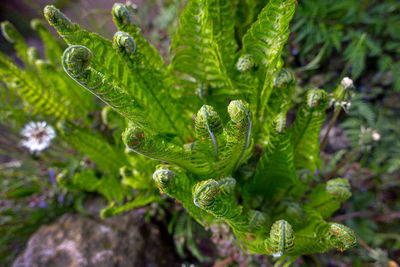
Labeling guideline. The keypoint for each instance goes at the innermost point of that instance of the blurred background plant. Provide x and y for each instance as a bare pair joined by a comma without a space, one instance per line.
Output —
359,39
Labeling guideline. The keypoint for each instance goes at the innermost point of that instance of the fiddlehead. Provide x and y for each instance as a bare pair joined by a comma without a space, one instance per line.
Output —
121,15
217,198
237,135
281,239
245,63
10,32
285,78
315,97
178,185
209,131
12,35
208,195
164,179
280,100
124,43
124,22
57,19
341,237
339,188
204,193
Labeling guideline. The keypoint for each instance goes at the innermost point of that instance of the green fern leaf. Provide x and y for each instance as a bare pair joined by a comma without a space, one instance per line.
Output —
108,158
306,128
53,48
141,199
13,36
198,56
265,40
30,89
275,174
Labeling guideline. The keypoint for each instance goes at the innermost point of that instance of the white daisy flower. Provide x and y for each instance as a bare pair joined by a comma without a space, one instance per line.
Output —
38,136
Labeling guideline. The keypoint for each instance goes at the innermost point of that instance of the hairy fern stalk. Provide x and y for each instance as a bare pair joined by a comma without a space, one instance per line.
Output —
239,94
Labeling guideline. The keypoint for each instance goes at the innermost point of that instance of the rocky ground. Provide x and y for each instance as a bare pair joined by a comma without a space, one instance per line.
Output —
86,240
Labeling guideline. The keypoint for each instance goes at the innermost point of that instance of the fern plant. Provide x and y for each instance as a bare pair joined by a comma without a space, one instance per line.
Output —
212,168
47,93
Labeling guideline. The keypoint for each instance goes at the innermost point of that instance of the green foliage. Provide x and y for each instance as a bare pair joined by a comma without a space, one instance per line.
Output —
305,130
48,93
213,169
355,27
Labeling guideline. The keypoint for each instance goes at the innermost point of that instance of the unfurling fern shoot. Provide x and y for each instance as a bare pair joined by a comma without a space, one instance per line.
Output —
201,119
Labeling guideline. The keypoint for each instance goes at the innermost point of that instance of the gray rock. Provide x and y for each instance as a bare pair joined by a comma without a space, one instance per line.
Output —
78,240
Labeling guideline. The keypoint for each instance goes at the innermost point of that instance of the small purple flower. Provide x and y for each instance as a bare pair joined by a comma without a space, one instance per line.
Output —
42,204
140,211
294,51
60,198
52,177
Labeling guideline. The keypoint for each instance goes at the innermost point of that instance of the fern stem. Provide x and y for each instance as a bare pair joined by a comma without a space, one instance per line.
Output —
332,122
211,133
248,131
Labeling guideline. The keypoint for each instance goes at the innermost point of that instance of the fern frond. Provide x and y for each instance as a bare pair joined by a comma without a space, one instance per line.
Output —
105,60
198,57
319,236
147,71
326,198
108,186
178,185
160,148
30,89
108,158
13,36
217,199
306,128
123,20
141,199
142,73
223,30
265,40
209,132
152,87
53,49
275,174
238,137
76,60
